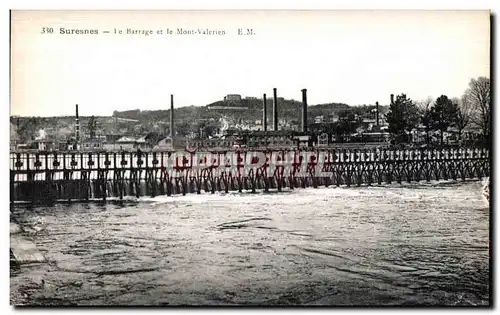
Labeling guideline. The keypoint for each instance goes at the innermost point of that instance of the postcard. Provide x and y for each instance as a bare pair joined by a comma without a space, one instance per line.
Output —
250,158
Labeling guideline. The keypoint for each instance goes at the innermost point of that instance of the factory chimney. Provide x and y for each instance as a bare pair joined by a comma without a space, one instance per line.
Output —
376,104
171,117
392,99
304,110
275,110
264,112
77,128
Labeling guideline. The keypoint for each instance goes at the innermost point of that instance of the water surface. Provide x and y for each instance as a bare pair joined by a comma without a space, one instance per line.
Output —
425,244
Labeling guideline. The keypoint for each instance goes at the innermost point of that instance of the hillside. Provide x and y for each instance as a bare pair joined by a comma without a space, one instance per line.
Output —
247,109
188,119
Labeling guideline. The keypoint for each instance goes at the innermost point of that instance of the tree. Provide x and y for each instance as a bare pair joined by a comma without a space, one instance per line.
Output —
402,117
443,115
152,138
479,96
182,129
463,114
28,128
210,129
424,111
92,126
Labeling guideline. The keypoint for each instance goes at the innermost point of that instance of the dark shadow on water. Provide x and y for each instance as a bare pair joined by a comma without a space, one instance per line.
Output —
102,205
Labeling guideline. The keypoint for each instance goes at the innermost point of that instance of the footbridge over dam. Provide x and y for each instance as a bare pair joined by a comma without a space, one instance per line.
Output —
73,176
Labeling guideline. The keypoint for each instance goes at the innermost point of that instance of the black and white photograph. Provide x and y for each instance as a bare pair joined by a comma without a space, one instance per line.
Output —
272,158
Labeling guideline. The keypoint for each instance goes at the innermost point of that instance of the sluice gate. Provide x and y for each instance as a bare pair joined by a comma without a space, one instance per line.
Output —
78,176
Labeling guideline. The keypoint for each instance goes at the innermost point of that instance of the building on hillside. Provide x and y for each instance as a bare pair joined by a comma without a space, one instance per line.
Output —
23,146
323,140
44,144
252,139
13,145
14,138
333,118
63,145
232,98
471,133
270,139
318,119
111,146
211,144
303,141
126,144
375,136
92,144
165,144
142,144
112,138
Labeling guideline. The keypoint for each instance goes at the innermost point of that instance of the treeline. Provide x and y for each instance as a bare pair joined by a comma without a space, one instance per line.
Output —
287,109
472,109
349,121
27,128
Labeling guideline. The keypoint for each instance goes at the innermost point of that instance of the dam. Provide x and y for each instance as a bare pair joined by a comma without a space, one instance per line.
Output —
78,176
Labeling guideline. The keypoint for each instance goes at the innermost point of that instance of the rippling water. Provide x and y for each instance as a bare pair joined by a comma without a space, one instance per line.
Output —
392,245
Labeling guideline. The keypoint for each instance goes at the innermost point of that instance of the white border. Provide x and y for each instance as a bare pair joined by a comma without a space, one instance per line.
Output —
196,4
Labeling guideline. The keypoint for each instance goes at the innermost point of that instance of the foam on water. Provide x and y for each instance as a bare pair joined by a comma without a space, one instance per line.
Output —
432,189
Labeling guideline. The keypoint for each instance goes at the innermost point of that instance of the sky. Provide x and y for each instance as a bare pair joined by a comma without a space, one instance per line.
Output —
352,57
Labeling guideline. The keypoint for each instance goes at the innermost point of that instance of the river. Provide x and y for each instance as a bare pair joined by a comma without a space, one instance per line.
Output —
411,244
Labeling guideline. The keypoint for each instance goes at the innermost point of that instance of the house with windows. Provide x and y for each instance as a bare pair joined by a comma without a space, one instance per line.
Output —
126,144
44,144
142,144
164,144
93,144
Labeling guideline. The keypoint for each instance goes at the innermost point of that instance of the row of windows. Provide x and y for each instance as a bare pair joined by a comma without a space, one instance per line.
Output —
92,145
213,144
270,142
262,142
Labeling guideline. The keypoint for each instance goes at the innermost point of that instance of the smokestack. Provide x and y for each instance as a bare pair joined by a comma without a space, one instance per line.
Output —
77,126
376,104
392,99
171,116
275,110
264,114
304,110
